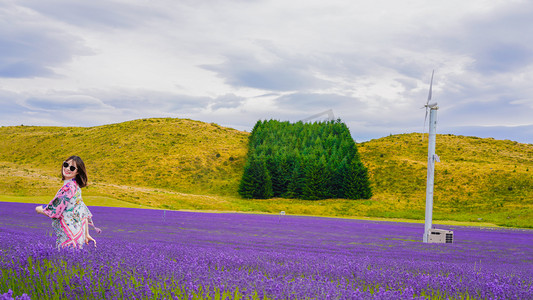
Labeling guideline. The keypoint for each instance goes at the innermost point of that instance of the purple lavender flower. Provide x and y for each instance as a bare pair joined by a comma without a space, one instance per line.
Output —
140,255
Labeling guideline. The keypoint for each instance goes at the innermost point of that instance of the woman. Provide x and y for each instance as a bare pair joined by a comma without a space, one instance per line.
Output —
71,217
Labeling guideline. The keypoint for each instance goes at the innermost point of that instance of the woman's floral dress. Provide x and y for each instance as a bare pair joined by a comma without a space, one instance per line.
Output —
70,215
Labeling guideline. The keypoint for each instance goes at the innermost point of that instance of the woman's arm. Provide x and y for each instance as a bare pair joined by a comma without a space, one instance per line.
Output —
56,207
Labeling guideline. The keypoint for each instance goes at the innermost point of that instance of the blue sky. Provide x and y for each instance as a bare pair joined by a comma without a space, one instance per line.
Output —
89,63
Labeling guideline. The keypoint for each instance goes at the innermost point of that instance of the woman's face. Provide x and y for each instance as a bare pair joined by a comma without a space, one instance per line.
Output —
70,169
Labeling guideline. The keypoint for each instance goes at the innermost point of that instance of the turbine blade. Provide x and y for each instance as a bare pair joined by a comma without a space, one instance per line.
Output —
425,118
424,128
430,87
427,103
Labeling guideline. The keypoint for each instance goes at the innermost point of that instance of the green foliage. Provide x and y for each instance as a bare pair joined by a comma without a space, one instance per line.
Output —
303,160
256,182
355,184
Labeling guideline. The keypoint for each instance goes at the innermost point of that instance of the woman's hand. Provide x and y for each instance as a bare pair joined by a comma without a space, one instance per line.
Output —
89,238
39,209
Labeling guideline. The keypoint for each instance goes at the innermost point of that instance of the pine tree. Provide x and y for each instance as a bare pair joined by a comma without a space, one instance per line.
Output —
336,182
316,179
247,184
295,186
273,167
356,184
256,182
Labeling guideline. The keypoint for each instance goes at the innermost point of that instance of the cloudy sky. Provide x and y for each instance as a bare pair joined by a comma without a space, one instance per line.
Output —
233,62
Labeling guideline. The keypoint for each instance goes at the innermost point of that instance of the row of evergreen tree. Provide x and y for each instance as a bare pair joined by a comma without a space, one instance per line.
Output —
305,161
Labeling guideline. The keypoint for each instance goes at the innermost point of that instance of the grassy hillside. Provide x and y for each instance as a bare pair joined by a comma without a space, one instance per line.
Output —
477,179
173,154
185,164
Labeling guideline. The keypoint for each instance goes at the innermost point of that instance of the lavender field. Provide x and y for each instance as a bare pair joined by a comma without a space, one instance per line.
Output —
154,254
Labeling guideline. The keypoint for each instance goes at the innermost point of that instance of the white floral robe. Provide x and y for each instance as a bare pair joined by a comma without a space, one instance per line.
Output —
70,215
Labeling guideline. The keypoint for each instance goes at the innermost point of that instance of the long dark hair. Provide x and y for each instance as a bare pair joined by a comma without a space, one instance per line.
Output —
81,177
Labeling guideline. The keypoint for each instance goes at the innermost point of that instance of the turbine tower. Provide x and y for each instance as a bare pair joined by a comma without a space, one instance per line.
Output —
432,158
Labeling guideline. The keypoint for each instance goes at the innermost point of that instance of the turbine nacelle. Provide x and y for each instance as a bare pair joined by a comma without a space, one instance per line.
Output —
432,105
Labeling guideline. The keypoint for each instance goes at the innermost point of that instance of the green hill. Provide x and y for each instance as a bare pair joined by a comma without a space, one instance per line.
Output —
129,161
477,179
185,164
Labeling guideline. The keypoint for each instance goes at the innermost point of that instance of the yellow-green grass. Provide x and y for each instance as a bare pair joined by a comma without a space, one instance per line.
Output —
89,200
189,165
175,154
476,180
269,208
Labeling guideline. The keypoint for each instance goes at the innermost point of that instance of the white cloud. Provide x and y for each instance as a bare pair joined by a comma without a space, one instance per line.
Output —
234,62
32,46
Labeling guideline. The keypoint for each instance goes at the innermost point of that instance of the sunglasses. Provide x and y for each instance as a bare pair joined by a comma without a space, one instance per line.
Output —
66,165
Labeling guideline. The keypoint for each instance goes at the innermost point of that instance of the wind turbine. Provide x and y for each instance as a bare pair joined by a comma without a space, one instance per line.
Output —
432,158
329,112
